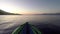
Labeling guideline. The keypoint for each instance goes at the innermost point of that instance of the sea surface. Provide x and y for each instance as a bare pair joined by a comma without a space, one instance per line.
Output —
47,24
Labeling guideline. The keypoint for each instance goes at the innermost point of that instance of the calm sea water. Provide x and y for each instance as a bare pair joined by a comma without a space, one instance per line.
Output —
9,22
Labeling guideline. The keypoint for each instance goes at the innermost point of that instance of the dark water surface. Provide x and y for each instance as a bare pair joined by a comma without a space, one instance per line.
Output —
47,24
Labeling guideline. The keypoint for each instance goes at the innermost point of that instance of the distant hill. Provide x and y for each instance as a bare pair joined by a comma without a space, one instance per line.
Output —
6,13
49,14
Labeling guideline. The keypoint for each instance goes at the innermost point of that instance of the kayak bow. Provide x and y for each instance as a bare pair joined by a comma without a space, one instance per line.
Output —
26,29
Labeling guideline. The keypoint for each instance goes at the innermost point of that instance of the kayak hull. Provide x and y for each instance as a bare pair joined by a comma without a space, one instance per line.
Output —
26,29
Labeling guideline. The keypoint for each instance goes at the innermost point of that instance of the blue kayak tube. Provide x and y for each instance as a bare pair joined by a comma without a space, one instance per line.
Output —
26,29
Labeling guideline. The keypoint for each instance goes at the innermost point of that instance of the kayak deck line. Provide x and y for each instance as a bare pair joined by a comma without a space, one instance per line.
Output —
17,30
26,29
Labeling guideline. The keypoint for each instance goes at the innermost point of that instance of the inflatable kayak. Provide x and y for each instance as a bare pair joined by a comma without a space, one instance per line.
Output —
26,29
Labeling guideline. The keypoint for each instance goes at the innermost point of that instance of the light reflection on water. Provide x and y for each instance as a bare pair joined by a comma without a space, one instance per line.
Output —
9,22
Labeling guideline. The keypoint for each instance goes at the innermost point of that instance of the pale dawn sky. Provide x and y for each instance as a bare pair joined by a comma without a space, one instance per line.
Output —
30,6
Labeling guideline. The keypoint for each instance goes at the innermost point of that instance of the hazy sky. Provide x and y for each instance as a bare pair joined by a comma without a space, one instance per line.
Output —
30,6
